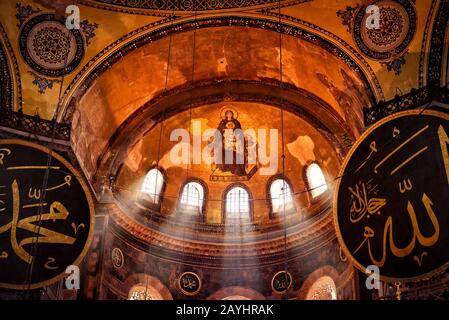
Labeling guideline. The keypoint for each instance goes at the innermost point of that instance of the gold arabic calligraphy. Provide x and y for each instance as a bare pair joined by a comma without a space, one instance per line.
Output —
417,235
362,205
189,283
57,212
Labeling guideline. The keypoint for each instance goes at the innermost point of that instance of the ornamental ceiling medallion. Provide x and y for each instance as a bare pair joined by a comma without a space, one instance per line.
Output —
117,258
189,283
281,282
389,43
48,48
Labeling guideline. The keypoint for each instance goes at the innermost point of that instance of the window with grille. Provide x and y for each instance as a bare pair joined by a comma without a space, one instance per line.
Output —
192,198
316,180
140,292
152,185
281,196
237,204
323,288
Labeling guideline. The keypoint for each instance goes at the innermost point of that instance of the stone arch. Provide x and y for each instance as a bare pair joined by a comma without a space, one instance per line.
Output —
323,288
326,272
10,84
103,92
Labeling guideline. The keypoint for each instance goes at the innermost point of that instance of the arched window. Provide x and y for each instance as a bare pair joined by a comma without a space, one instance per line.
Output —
322,289
237,206
152,185
236,297
316,180
281,196
192,198
141,292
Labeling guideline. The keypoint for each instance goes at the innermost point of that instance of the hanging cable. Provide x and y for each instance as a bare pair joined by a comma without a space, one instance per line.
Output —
37,226
281,87
192,79
157,196
200,203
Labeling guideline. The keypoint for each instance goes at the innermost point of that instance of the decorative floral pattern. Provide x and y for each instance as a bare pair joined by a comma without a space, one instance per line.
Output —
88,30
391,26
185,5
347,16
48,47
397,28
43,83
51,45
23,12
389,43
395,65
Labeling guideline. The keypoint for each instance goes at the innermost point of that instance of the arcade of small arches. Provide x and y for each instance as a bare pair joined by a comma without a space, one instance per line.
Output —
237,198
322,288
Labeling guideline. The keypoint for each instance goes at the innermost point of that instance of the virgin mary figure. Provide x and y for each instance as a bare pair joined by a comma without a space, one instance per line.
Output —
233,145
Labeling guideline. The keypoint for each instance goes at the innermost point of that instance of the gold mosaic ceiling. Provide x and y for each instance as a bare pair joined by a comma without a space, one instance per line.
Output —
395,59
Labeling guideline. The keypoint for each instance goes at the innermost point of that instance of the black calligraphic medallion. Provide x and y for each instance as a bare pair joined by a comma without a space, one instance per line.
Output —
44,228
281,281
117,258
189,283
391,206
